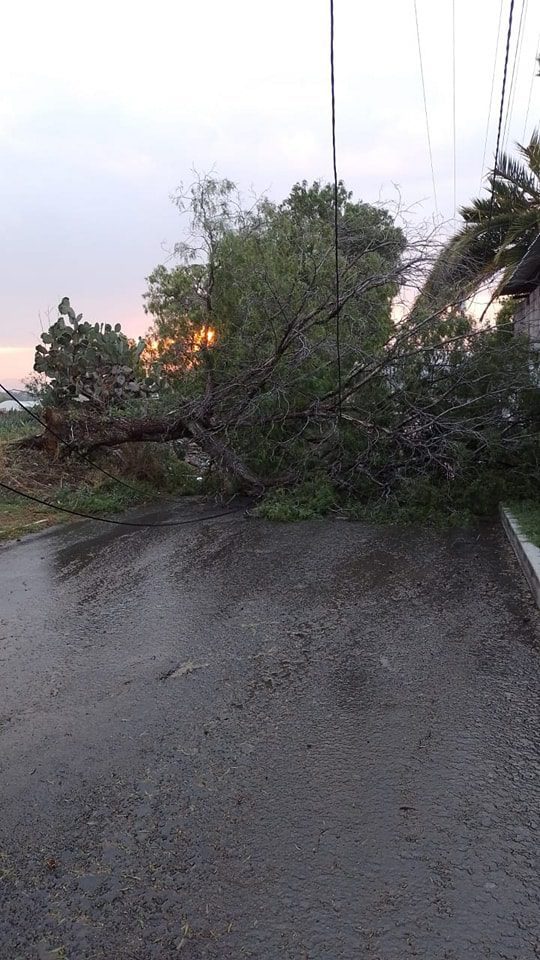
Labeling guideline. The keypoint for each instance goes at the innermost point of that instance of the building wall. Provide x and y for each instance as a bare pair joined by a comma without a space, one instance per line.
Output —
527,317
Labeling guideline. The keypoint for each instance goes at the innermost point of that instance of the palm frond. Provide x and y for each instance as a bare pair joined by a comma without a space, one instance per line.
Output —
495,233
531,152
516,174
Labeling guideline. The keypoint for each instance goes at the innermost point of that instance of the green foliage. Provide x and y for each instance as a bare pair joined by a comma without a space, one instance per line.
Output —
263,280
248,274
311,500
504,320
527,514
15,424
435,501
94,361
106,498
440,415
420,502
181,478
452,431
496,232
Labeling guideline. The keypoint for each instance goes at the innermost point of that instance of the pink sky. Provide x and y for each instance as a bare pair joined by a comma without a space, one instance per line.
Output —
15,364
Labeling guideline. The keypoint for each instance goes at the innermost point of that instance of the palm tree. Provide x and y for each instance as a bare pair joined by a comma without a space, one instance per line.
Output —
496,232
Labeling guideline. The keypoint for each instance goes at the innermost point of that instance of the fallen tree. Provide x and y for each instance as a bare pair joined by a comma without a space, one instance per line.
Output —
66,433
281,386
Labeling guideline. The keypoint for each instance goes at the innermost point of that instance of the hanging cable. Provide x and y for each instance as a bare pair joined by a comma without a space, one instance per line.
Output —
122,483
79,453
118,523
336,207
515,75
529,99
454,103
505,72
426,108
491,96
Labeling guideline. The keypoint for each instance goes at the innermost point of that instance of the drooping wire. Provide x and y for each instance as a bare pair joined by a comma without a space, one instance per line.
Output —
336,206
79,453
515,74
426,108
501,109
122,483
529,99
454,103
118,523
491,95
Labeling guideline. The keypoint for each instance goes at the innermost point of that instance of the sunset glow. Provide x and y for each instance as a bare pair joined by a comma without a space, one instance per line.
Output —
178,354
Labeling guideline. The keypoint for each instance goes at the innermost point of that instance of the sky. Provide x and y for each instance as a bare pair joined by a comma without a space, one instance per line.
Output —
106,107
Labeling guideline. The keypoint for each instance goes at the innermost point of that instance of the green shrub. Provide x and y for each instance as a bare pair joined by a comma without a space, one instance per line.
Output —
527,514
15,424
108,497
312,500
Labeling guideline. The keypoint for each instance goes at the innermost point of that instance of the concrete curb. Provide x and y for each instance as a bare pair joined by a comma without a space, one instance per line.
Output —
527,554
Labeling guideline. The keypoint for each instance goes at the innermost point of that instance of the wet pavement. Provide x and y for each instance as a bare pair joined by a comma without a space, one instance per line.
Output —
251,740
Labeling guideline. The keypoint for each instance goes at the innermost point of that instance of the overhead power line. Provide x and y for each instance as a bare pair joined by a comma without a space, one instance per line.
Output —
426,108
534,74
501,109
454,103
491,95
515,73
336,204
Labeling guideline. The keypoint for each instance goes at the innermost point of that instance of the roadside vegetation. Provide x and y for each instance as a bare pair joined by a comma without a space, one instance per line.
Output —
495,231
150,473
249,379
527,514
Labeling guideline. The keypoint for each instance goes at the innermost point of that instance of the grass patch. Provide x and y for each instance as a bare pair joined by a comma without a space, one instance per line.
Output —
106,498
527,514
148,473
15,424
21,517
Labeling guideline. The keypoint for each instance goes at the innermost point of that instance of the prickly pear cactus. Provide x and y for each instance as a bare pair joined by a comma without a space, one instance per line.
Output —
95,362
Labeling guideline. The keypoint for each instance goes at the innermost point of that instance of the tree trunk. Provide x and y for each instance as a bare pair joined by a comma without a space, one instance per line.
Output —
86,434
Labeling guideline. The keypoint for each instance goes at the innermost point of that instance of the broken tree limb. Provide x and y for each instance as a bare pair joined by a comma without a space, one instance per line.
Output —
86,434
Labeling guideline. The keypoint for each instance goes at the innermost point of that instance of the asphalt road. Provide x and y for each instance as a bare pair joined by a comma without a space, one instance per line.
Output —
245,740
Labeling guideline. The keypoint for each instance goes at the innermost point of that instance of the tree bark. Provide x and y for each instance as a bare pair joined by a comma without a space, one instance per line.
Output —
87,434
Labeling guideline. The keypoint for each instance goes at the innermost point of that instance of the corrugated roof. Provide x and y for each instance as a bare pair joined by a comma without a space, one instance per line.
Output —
526,276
